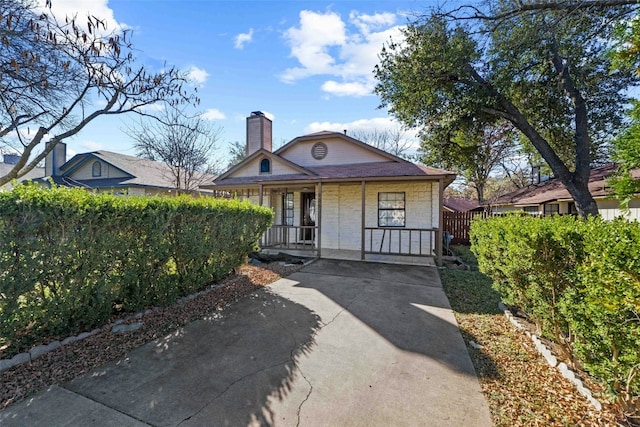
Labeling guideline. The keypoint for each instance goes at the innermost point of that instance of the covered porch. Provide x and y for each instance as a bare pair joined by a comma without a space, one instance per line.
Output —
352,220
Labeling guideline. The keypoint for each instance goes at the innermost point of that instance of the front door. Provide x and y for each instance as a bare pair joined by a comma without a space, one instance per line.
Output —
308,217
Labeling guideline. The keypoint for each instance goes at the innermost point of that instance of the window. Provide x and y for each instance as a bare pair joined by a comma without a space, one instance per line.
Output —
265,166
391,209
531,210
287,209
551,209
96,169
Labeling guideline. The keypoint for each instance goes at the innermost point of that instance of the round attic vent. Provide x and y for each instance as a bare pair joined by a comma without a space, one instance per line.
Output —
319,150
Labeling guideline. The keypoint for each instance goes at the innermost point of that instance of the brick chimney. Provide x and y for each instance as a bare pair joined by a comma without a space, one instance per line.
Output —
56,158
258,132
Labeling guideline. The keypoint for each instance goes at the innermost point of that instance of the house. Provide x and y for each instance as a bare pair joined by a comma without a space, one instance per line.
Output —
107,171
339,197
551,197
8,162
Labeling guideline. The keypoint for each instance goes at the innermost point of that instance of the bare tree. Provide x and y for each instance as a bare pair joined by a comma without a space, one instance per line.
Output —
392,140
184,143
56,77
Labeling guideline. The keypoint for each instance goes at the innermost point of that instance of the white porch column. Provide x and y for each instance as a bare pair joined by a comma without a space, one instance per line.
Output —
439,235
319,218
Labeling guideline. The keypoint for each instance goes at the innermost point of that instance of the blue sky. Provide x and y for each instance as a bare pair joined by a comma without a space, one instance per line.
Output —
307,64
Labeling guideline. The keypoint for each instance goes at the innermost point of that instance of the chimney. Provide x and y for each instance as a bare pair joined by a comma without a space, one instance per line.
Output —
56,158
258,132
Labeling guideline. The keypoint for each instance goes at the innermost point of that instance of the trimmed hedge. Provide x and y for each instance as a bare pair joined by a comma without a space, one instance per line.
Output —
69,258
579,281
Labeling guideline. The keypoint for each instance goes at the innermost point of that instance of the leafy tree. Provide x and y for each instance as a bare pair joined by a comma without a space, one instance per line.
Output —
626,148
237,153
546,72
185,143
476,152
56,77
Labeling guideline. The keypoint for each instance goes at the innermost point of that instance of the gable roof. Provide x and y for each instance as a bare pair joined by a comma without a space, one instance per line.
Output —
554,190
338,135
140,172
394,168
268,154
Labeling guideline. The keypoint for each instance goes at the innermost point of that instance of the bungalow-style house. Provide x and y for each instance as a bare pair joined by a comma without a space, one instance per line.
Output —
339,197
106,171
551,197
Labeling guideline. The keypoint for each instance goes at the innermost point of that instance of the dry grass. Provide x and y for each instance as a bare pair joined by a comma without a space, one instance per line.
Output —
520,387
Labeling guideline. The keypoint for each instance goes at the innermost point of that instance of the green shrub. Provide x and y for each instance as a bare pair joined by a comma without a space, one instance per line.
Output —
69,258
575,278
532,262
603,309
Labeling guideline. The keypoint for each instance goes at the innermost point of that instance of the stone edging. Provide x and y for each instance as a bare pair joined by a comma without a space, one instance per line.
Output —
116,326
37,351
553,361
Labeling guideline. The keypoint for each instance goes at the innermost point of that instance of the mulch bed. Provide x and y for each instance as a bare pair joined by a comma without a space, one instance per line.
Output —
72,360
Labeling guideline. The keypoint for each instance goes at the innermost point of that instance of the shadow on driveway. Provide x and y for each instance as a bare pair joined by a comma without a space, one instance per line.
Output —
337,343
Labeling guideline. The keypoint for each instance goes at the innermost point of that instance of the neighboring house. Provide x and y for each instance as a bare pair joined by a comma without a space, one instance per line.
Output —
551,197
9,160
113,172
460,204
340,197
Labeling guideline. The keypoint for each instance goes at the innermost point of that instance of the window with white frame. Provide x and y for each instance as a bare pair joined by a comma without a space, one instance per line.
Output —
391,209
287,209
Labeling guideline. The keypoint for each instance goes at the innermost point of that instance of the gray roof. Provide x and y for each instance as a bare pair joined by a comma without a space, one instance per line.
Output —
34,173
143,172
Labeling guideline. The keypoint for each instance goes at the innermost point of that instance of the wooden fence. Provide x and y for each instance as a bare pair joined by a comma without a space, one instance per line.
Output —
458,223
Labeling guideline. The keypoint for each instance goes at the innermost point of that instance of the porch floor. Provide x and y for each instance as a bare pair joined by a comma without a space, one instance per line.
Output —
351,255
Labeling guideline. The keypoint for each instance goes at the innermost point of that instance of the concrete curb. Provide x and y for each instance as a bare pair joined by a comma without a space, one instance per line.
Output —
552,360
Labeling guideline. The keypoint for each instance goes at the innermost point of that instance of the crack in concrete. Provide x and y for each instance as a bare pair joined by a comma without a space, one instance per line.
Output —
315,333
306,398
222,393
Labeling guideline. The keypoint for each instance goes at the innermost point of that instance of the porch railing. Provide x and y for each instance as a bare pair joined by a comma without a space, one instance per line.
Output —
402,241
297,237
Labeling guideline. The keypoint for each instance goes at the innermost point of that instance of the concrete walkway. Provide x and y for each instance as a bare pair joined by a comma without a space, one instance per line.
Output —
339,343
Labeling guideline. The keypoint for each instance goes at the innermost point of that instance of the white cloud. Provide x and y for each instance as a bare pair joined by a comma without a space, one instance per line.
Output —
367,23
197,75
311,41
213,114
81,9
243,38
346,89
325,45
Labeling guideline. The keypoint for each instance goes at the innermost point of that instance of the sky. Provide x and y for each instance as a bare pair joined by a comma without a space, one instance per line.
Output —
307,64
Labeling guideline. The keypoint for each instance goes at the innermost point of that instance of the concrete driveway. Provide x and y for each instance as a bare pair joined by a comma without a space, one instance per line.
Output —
339,343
